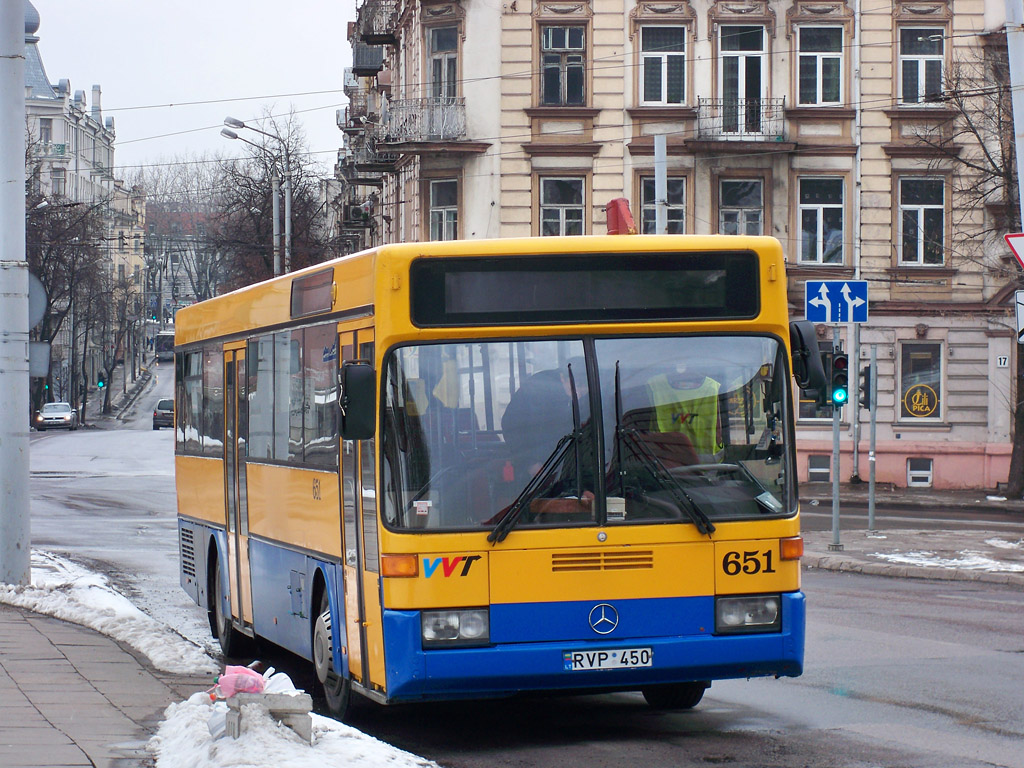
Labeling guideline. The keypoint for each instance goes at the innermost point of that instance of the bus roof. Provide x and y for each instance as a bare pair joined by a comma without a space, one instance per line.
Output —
359,280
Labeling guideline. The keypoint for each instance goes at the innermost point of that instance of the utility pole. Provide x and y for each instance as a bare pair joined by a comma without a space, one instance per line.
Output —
15,541
1015,52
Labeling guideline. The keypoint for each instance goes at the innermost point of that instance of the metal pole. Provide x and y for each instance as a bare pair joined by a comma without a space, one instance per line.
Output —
660,184
15,534
1015,50
287,213
276,185
872,406
835,545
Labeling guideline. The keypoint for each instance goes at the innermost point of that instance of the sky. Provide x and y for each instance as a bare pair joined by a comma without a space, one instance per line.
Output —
241,57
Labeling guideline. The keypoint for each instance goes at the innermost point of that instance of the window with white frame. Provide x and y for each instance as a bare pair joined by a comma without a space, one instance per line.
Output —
444,46
740,206
561,206
821,220
741,79
563,66
675,200
58,182
444,209
663,64
820,62
922,221
45,130
920,380
922,57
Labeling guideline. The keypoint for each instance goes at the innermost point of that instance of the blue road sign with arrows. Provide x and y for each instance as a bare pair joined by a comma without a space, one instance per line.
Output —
836,301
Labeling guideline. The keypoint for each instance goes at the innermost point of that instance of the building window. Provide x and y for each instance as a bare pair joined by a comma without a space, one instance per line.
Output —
663,64
561,206
444,209
58,182
819,468
821,65
45,130
741,206
741,78
821,221
563,63
922,221
922,53
919,473
444,45
676,205
920,380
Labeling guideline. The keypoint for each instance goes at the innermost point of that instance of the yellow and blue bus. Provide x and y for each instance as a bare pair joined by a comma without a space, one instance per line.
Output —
470,469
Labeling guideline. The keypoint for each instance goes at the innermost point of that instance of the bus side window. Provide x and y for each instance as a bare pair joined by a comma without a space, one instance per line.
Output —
349,486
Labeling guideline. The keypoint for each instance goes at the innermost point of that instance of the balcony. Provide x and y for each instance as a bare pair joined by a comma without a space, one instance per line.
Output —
441,118
378,21
367,60
740,119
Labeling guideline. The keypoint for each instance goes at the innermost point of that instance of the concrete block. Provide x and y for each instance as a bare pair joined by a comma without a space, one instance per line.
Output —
291,711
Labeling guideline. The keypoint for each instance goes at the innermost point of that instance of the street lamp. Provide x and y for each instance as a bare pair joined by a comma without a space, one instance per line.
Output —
233,122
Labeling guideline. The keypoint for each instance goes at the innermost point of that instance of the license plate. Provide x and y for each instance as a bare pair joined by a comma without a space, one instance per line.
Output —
615,658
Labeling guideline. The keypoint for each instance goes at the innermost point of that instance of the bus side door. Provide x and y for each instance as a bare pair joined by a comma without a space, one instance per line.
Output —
236,433
364,632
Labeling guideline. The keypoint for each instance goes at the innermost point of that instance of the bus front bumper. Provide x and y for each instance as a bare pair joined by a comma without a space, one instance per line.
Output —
504,669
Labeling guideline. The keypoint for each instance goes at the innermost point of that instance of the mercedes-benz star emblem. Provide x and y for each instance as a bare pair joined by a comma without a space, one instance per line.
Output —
603,618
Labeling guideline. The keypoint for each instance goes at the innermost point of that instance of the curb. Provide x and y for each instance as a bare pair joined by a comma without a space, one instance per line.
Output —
846,565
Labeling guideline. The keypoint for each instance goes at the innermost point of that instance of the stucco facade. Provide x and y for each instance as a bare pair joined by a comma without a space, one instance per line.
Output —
824,124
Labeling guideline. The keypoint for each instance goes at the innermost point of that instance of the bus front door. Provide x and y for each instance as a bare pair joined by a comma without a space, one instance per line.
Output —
364,633
236,433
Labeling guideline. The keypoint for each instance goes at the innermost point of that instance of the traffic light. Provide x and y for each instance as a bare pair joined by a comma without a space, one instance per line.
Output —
840,379
865,387
100,382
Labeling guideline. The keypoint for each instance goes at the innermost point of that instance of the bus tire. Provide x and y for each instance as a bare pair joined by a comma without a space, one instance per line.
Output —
334,689
675,695
230,639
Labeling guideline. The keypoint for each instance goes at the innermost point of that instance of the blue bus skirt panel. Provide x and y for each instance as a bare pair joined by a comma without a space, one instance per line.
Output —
505,668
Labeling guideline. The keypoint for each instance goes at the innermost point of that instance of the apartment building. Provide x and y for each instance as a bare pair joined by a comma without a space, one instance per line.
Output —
824,123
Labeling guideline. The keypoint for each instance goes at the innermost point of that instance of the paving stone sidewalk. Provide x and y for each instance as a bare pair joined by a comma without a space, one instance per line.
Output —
71,697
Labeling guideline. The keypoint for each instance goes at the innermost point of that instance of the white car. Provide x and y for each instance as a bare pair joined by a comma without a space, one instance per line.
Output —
56,416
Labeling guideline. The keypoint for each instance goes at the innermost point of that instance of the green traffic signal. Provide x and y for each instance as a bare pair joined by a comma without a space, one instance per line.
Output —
840,378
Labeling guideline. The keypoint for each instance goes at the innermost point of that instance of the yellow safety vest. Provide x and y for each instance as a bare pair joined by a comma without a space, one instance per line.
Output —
694,412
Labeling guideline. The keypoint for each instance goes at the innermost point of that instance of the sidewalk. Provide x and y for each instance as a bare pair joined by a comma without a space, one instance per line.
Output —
72,697
121,397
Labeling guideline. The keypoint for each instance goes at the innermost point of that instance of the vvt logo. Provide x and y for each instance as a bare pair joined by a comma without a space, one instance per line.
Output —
448,565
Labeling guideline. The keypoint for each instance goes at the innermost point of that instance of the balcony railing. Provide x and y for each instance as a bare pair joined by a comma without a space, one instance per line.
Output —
431,119
740,119
378,21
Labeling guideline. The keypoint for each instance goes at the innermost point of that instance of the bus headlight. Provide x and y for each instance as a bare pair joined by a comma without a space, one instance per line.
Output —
462,627
760,613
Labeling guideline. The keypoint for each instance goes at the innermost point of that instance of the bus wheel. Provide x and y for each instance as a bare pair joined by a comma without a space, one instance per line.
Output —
676,696
335,689
230,639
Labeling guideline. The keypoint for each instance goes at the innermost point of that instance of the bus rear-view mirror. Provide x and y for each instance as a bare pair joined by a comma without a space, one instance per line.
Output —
358,400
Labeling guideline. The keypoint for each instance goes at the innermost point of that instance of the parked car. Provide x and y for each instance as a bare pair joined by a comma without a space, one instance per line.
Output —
56,416
163,414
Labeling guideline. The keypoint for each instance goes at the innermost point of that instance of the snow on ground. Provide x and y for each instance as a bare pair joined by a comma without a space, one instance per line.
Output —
185,741
63,589
966,560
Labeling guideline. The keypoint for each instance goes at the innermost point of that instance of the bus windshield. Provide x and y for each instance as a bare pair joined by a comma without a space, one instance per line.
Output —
572,432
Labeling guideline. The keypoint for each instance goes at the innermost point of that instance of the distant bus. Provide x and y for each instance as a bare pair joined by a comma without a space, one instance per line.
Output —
457,470
163,345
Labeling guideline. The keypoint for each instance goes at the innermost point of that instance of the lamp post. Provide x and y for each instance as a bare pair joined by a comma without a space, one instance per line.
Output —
233,122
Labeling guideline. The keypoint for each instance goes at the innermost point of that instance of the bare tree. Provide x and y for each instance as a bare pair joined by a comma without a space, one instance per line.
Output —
977,144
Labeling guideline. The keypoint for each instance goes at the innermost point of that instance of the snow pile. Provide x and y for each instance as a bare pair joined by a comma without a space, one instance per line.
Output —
184,740
1003,544
967,560
67,591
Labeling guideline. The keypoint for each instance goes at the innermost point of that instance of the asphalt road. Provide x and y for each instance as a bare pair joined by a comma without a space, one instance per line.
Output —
908,673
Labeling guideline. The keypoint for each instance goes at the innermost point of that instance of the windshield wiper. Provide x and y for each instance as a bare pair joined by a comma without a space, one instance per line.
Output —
515,510
640,449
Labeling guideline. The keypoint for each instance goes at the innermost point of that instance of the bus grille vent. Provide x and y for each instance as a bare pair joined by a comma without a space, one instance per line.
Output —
188,552
632,560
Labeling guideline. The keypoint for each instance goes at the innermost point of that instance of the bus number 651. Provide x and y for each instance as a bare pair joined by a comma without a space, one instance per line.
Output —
748,562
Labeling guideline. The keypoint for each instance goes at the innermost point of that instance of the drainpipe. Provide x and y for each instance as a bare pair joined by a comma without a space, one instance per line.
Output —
854,334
